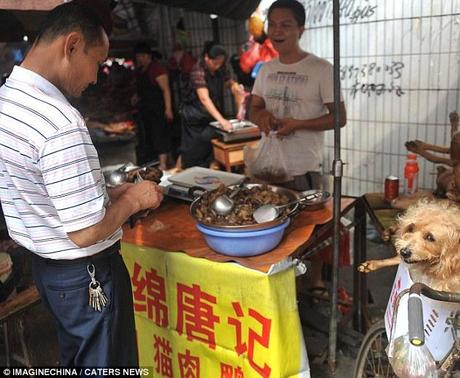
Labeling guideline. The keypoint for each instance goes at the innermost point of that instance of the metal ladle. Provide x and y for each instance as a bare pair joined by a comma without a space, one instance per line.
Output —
224,204
120,175
269,212
116,178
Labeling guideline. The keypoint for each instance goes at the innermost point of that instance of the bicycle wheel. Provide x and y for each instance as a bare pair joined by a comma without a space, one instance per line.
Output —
372,359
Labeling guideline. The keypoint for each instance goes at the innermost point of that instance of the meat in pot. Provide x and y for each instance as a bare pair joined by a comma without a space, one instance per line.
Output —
247,200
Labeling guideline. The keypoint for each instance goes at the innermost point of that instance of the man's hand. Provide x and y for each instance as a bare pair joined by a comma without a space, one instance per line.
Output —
144,195
136,197
286,126
267,122
116,192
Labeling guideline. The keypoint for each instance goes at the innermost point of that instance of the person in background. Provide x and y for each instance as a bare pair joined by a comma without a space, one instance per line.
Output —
180,64
54,198
155,106
294,95
203,103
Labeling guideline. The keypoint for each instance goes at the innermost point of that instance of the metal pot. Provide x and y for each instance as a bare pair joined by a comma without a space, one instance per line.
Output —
290,194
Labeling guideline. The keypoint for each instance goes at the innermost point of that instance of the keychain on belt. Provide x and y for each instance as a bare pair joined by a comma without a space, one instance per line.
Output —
97,297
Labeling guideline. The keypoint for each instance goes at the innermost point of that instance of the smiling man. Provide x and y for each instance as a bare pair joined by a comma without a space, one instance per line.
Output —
294,95
53,193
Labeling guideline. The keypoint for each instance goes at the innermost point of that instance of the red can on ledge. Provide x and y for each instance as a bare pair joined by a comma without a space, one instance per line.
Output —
391,188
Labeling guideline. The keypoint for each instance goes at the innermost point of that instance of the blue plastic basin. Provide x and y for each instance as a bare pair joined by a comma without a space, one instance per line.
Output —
244,243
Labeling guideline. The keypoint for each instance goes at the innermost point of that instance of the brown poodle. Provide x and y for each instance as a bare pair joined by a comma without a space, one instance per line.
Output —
427,238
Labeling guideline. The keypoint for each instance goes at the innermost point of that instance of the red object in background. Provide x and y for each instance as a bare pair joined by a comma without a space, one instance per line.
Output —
325,252
391,188
410,174
183,62
257,53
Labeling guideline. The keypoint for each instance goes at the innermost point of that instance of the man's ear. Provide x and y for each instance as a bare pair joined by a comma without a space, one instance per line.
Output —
72,42
302,29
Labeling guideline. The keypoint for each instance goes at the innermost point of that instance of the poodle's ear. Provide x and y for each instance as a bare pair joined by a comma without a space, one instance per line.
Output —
449,263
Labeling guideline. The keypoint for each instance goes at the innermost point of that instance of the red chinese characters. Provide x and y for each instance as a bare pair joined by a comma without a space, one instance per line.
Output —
162,356
253,337
189,366
150,295
228,371
195,314
393,299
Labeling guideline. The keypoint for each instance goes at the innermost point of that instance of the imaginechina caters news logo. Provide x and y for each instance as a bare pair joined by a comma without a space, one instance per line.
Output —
64,372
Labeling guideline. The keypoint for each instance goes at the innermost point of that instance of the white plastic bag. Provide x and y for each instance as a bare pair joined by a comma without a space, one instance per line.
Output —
410,361
266,162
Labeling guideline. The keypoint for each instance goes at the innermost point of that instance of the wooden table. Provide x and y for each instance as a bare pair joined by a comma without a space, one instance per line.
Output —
172,228
230,154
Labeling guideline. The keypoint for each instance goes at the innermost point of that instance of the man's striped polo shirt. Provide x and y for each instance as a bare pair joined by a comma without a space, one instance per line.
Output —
50,178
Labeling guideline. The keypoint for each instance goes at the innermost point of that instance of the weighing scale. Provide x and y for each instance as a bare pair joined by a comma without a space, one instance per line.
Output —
178,185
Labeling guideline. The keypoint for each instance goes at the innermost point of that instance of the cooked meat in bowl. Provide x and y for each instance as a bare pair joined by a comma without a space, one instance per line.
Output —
246,201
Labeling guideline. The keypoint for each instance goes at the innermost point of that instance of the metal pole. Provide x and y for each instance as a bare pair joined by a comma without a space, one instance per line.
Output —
215,29
337,168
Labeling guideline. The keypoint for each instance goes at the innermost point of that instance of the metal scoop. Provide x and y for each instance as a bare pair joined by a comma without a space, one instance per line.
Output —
269,212
116,178
120,175
224,204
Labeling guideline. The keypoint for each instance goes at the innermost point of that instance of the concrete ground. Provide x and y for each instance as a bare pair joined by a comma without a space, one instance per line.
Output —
41,338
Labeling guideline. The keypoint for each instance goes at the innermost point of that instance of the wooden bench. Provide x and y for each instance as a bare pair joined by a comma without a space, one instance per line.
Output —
11,314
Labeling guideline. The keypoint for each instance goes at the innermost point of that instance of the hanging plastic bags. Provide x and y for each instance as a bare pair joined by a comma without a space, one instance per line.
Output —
266,162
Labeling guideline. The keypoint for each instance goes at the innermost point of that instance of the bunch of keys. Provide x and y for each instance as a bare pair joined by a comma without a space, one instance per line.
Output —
97,297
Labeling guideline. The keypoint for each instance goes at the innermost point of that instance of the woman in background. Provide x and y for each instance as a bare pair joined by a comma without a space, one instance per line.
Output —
154,107
203,103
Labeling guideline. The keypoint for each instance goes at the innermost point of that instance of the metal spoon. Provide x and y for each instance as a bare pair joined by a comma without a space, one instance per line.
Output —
116,178
269,212
120,175
224,204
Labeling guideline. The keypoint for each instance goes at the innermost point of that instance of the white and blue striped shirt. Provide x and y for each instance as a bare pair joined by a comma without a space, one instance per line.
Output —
50,178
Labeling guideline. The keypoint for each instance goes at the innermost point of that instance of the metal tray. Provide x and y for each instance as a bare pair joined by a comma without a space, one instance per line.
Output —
290,194
321,197
206,178
242,126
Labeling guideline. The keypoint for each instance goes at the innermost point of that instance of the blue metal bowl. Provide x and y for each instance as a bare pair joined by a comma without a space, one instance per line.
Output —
243,243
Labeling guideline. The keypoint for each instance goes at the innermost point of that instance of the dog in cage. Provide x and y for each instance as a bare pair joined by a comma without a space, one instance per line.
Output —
426,238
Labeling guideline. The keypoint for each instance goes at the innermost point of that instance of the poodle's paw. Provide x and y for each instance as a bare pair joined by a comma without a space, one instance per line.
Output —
368,266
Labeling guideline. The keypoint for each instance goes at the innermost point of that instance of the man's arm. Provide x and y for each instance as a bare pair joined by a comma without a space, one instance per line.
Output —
144,195
258,115
163,83
325,122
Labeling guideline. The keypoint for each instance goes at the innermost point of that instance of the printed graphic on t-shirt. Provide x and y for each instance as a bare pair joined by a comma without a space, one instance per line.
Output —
283,93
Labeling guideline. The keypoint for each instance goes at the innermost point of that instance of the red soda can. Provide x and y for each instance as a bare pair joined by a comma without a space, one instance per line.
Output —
391,188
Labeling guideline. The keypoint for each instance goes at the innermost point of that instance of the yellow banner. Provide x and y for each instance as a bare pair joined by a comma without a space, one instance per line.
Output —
198,318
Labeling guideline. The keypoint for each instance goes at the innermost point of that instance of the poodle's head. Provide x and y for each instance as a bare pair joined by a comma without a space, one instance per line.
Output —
429,233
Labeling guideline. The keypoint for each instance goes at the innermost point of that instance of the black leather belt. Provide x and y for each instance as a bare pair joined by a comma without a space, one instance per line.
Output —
114,248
